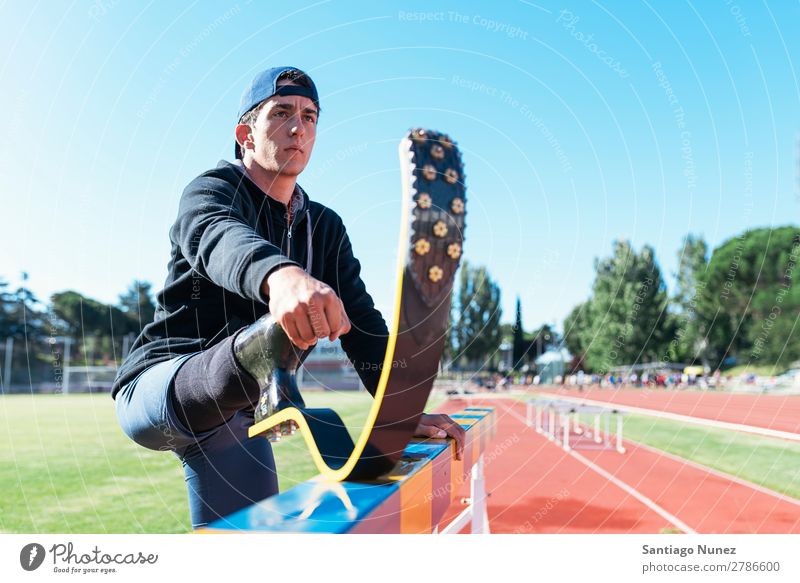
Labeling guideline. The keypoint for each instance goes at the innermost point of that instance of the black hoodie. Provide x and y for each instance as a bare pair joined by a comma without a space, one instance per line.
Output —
227,238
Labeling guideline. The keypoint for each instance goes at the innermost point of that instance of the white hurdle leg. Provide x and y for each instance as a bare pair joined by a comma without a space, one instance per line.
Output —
606,438
620,447
538,419
551,428
565,439
480,517
597,438
558,428
475,513
576,424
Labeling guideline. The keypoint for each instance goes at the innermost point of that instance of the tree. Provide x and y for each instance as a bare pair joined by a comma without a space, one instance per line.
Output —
477,319
137,304
98,327
6,305
688,343
80,315
625,320
519,349
751,299
21,319
578,332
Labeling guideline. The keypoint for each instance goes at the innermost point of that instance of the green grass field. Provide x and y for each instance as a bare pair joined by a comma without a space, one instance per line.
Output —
772,463
66,466
761,370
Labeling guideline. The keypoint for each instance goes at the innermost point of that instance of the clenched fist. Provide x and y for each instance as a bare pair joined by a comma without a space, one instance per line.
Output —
306,308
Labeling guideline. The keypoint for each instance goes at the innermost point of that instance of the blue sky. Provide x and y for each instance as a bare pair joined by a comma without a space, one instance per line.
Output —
580,122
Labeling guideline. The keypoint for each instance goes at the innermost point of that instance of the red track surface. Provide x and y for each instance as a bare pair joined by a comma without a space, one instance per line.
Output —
537,487
781,413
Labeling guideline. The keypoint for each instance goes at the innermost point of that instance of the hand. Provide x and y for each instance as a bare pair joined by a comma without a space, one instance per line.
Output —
441,426
306,308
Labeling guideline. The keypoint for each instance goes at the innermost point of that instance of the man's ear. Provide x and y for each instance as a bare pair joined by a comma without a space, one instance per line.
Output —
244,133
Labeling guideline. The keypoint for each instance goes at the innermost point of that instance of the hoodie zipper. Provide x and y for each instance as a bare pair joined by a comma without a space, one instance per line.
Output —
290,222
289,218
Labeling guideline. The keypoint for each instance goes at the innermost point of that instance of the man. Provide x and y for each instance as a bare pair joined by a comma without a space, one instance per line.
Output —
247,241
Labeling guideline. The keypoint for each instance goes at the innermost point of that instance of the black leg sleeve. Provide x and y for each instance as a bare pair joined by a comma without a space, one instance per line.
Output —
210,387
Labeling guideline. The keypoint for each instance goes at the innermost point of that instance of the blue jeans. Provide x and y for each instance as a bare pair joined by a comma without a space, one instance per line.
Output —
224,469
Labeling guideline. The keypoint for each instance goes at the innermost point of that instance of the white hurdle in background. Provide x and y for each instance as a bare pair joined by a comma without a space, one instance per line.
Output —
563,419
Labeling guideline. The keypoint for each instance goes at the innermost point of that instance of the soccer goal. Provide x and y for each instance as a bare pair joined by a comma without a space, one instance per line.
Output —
88,379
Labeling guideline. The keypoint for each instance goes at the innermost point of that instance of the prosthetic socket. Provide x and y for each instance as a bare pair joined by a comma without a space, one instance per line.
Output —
264,351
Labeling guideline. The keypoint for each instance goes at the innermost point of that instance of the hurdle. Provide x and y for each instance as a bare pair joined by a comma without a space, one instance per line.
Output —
559,420
411,499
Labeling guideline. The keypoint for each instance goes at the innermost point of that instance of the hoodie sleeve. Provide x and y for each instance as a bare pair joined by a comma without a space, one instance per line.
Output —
215,237
365,344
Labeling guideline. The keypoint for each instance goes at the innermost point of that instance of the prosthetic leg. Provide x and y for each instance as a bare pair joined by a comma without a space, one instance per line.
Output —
264,350
431,236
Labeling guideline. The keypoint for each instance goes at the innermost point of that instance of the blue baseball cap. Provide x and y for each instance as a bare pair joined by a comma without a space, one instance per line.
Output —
265,85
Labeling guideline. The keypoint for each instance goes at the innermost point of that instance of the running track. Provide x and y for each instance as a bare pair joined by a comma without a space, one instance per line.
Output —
537,487
781,413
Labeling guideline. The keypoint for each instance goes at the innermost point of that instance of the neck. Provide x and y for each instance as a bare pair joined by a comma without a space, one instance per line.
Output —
275,185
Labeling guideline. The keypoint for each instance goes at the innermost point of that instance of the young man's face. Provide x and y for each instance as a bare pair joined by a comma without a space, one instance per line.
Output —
284,133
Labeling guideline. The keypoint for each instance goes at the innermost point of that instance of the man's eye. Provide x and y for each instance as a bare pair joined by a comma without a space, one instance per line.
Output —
311,119
280,114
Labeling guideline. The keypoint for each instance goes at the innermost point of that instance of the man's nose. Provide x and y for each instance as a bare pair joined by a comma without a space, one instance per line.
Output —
296,126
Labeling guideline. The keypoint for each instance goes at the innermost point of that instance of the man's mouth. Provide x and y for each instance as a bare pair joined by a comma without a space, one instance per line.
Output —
295,149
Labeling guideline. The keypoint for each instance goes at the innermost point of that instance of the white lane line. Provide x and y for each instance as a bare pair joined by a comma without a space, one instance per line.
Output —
685,418
635,493
622,485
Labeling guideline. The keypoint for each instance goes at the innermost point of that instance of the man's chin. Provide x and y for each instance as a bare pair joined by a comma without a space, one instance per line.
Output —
292,169
283,167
